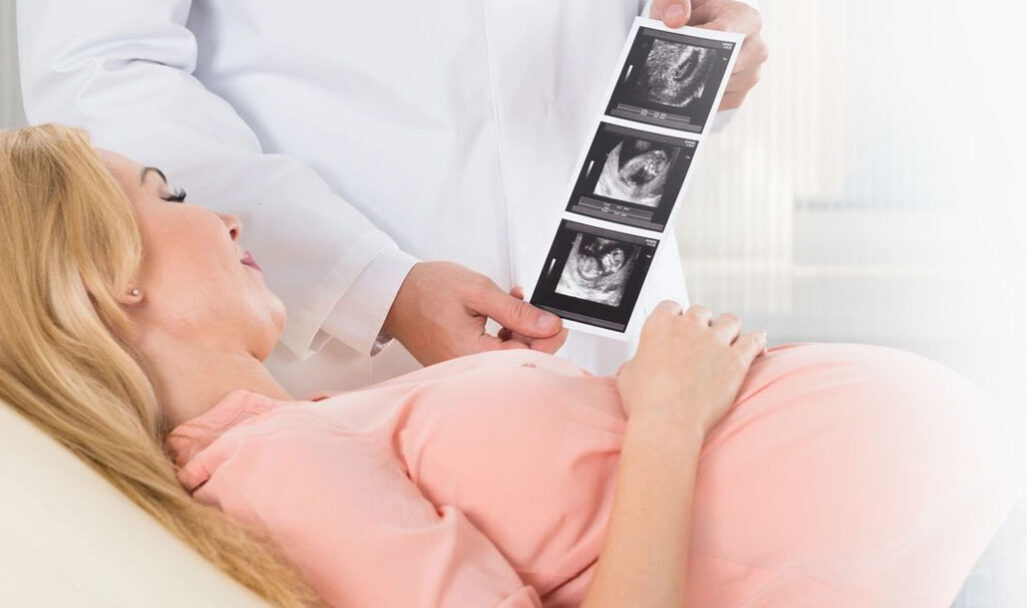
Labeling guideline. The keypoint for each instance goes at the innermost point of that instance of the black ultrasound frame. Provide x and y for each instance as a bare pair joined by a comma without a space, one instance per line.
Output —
614,318
624,212
625,98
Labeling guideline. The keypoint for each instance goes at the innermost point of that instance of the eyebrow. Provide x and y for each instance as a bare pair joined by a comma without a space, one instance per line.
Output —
142,174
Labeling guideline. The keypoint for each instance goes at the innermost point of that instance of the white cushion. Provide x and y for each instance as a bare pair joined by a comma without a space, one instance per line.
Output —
68,538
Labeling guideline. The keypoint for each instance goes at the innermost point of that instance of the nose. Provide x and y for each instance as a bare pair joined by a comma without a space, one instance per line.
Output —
233,224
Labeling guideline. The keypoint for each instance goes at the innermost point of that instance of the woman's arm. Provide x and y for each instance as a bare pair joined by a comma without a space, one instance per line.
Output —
645,554
686,374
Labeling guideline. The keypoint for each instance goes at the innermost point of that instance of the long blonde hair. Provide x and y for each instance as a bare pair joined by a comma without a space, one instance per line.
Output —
70,243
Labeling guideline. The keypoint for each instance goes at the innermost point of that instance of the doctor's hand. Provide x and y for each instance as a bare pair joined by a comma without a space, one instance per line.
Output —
726,16
441,309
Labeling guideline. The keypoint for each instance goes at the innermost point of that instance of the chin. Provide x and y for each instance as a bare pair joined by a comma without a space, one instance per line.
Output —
277,314
271,327
268,340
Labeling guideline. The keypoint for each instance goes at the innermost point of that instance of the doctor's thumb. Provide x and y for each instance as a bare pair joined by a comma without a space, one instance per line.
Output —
673,13
522,318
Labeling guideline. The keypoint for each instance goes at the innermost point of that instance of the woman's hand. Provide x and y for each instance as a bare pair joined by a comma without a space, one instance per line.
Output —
685,375
688,367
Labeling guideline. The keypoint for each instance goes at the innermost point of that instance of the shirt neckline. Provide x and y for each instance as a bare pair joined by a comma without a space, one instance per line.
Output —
190,437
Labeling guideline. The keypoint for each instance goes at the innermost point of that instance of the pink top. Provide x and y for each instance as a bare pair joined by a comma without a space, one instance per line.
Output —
488,480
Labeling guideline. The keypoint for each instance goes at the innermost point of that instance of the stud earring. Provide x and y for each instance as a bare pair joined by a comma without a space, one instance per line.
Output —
134,292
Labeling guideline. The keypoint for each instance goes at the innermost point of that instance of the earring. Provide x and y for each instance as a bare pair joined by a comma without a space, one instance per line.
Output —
134,292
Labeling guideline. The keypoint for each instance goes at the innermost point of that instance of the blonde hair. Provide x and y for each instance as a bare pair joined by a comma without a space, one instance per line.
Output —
71,243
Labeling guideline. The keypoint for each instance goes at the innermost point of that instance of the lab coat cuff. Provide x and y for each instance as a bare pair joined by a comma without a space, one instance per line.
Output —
359,316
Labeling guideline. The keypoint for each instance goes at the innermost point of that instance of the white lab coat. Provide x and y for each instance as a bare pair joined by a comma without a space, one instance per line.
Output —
351,138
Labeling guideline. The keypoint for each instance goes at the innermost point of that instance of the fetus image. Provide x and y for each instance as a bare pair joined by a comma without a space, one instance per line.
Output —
598,269
676,73
636,171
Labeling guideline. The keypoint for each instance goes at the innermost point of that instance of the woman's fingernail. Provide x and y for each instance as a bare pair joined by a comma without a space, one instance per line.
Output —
674,11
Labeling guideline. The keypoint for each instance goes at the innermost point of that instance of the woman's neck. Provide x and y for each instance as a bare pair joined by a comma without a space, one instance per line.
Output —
190,379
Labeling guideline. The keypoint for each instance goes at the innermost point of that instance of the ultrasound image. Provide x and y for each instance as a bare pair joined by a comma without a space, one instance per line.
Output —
676,74
636,171
598,269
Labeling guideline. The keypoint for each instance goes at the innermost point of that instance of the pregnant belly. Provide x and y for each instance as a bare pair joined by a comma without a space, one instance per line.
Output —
528,451
839,473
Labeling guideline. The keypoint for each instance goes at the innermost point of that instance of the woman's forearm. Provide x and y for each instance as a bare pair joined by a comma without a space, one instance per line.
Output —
644,556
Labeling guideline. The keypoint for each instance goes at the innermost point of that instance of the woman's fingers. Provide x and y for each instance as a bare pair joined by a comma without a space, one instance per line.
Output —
727,327
669,307
749,345
700,313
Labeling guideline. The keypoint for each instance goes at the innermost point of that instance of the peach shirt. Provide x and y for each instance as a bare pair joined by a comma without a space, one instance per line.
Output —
846,475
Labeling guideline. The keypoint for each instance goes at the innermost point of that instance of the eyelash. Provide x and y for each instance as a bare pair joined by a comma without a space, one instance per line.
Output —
177,196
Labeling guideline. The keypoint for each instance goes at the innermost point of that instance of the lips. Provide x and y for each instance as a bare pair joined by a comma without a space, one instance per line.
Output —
247,260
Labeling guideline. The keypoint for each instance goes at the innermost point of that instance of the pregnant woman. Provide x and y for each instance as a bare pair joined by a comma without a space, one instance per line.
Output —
709,472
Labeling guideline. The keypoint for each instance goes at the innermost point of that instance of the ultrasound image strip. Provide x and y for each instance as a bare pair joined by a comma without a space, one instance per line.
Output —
670,80
666,88
593,275
632,177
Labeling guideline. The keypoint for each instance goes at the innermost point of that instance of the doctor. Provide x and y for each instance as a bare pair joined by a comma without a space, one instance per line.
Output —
359,141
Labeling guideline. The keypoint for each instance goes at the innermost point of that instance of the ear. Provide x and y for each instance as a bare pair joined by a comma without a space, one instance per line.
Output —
130,297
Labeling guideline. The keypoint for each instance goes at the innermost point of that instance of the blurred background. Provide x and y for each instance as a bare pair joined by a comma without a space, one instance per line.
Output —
871,189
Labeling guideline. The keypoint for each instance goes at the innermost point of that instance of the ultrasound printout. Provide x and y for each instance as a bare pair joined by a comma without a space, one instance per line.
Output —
597,269
594,275
632,175
635,171
671,80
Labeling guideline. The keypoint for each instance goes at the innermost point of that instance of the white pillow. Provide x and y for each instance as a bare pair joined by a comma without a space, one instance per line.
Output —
68,538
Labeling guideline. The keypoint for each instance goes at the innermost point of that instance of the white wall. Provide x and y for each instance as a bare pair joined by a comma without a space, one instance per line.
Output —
871,187
11,114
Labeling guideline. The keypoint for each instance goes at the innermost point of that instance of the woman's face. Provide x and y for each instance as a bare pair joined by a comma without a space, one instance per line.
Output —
196,282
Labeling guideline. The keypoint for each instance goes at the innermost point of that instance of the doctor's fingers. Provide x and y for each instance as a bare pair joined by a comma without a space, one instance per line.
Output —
513,313
546,345
488,342
730,101
726,16
754,54
674,13
732,16
743,81
550,345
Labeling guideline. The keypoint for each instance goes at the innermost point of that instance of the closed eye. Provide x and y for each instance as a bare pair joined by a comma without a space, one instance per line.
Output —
178,196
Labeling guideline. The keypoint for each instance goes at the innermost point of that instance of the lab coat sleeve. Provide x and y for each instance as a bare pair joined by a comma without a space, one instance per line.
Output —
124,71
348,319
